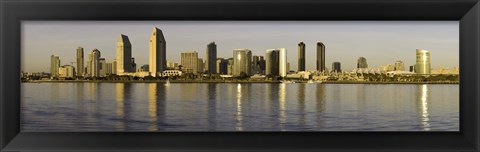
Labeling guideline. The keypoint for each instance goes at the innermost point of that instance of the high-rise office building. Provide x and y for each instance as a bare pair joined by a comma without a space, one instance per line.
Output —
54,65
109,68
422,65
157,52
222,66
114,66
399,66
124,55
93,61
189,62
257,64
301,56
362,63
336,67
242,62
211,60
230,66
320,57
276,62
283,62
272,62
201,65
80,60
103,67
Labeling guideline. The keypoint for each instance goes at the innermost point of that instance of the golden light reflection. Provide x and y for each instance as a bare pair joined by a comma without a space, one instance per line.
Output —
425,114
239,116
152,106
283,113
120,101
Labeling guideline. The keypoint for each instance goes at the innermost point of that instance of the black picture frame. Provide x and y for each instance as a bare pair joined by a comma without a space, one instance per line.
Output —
467,12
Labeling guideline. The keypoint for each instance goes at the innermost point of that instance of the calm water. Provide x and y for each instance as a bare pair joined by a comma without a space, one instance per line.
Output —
238,107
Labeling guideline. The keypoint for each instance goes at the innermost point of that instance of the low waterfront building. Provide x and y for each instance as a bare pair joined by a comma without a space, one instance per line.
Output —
171,73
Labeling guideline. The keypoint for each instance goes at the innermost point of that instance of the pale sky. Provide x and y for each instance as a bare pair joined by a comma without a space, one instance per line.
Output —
380,42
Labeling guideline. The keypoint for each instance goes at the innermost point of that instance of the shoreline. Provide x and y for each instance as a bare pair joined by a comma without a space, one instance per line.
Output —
228,81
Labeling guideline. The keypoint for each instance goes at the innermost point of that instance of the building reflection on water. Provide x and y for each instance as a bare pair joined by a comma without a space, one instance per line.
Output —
320,104
212,106
238,107
282,108
422,101
156,105
301,104
238,115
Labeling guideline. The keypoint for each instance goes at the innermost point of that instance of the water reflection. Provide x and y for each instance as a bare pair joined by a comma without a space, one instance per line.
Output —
120,102
156,105
282,109
301,104
320,104
423,98
212,106
238,107
239,116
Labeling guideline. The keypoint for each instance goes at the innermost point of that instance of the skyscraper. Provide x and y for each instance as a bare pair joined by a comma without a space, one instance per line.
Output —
124,55
189,62
210,61
242,62
320,57
362,63
301,56
257,64
94,64
103,67
336,67
54,65
222,66
201,65
399,66
276,60
272,62
80,60
230,66
157,52
422,65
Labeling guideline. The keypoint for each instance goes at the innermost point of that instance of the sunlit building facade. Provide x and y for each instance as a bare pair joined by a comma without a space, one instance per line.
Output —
124,55
189,62
242,62
80,60
422,65
93,63
157,52
54,65
66,71
399,66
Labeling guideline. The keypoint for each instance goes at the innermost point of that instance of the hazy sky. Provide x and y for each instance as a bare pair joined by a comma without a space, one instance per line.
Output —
380,42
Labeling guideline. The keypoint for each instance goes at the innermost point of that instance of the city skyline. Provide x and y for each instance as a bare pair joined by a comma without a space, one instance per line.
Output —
334,52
